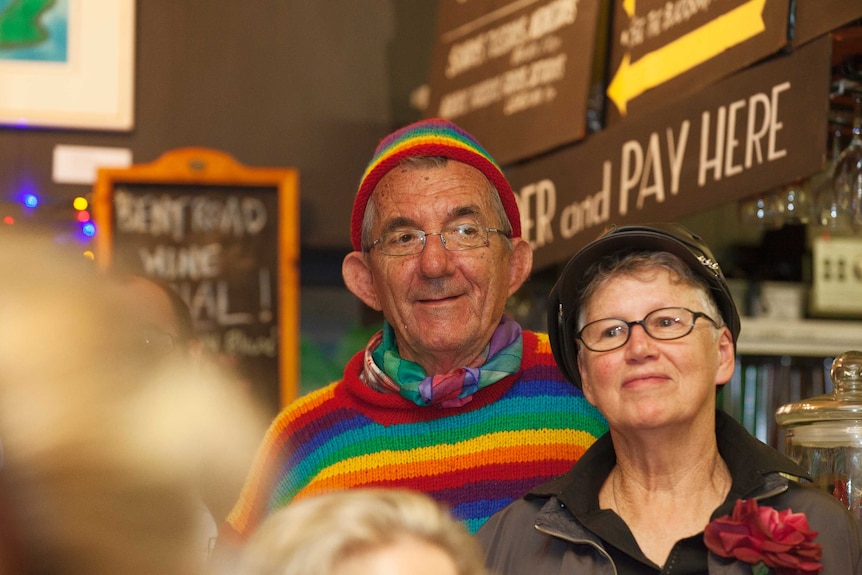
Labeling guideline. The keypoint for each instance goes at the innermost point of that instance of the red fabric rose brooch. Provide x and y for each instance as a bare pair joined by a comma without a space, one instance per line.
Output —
766,538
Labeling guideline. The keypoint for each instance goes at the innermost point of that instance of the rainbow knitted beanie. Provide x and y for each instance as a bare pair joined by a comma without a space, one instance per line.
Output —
433,137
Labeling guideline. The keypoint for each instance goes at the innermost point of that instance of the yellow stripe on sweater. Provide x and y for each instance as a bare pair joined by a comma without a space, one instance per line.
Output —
496,448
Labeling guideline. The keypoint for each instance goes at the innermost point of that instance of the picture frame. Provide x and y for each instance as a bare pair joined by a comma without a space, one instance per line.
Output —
85,83
225,235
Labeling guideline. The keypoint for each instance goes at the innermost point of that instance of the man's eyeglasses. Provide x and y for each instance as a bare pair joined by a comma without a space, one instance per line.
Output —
455,238
663,324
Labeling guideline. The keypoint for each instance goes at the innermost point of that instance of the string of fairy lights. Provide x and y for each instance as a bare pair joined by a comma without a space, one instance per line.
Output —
28,209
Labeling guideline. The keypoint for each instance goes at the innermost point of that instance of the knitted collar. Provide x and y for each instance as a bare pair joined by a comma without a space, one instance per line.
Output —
385,369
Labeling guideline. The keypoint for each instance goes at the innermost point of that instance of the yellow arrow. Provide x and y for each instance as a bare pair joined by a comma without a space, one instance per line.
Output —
683,54
629,7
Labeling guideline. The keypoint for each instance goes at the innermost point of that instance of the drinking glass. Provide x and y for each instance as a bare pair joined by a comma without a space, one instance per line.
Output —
764,210
847,179
794,203
829,212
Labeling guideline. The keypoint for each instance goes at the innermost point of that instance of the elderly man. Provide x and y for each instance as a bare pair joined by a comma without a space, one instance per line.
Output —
452,398
643,321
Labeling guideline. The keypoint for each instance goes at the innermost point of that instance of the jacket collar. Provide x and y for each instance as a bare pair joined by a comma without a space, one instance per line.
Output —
752,465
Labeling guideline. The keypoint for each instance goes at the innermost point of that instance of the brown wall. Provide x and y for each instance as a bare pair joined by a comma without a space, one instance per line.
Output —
311,85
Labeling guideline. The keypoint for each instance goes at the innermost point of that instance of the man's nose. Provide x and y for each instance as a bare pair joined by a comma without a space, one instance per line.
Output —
434,257
439,234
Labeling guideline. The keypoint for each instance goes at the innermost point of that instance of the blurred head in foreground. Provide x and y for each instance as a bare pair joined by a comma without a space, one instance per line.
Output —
362,532
166,316
103,447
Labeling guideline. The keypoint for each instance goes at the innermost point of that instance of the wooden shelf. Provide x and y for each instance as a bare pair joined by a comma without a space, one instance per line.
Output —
810,337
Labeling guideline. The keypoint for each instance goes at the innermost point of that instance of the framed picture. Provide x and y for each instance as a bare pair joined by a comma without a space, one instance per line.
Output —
67,63
226,237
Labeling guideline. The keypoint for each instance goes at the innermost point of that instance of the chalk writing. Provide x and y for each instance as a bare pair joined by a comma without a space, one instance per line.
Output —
178,216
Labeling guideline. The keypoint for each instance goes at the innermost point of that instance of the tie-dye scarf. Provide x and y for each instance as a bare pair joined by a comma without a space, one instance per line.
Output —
385,369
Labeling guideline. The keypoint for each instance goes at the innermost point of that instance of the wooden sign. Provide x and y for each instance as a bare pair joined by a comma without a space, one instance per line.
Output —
226,237
750,133
662,51
517,75
817,17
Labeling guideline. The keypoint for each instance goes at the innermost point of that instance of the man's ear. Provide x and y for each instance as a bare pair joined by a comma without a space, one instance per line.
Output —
357,276
520,264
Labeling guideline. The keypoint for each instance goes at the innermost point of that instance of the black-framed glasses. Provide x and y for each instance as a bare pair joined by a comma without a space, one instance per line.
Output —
468,236
663,324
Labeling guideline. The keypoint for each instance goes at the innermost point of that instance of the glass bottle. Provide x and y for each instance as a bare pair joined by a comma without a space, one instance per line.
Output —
824,434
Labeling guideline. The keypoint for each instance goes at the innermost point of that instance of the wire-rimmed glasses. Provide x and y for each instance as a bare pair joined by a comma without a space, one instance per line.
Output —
466,236
664,324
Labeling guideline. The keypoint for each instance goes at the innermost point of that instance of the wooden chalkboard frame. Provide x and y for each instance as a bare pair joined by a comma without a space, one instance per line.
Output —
195,166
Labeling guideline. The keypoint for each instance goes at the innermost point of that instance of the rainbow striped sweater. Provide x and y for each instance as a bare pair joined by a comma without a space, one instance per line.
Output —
513,435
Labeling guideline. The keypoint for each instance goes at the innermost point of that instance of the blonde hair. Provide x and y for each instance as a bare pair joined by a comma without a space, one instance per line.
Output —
313,536
103,448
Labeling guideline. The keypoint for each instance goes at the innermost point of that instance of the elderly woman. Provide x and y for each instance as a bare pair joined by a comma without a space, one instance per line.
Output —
365,531
643,321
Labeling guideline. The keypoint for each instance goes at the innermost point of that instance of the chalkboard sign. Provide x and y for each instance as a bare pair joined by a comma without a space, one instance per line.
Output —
226,237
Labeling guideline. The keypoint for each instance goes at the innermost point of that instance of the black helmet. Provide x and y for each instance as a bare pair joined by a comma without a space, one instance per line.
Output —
564,300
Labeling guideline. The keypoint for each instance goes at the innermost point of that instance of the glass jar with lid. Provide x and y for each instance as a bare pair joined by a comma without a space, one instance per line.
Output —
824,434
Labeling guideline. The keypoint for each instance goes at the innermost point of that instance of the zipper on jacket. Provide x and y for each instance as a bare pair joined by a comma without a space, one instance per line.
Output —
777,490
567,537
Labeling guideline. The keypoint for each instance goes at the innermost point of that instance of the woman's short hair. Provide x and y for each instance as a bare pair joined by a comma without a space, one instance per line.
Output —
313,536
636,263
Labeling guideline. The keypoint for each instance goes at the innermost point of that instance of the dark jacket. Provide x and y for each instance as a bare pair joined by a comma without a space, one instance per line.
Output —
546,532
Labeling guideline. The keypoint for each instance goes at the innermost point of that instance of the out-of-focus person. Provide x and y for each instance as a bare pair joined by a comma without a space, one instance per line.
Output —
452,398
362,532
643,321
104,439
168,331
168,319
